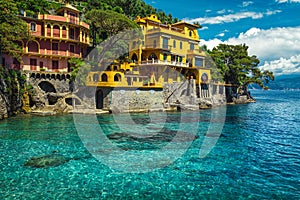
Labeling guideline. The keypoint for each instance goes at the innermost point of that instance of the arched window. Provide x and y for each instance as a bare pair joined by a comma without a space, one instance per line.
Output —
104,77
117,78
191,33
48,30
33,46
56,31
95,77
33,26
64,32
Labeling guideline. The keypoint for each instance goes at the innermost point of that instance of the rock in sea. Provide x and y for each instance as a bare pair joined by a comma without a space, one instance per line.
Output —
45,161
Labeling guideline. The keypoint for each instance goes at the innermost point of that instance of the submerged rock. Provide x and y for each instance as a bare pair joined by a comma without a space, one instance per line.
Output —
45,161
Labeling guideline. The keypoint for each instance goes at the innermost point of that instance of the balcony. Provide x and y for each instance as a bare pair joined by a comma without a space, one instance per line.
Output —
196,52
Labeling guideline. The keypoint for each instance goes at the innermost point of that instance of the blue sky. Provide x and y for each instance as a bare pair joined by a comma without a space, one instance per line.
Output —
271,28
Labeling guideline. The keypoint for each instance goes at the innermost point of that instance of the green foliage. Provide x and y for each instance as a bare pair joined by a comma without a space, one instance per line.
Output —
42,6
237,67
106,23
80,71
12,29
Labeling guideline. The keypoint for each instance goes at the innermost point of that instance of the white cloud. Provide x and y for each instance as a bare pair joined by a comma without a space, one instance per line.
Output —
231,17
272,46
287,1
220,35
204,28
283,65
221,11
247,3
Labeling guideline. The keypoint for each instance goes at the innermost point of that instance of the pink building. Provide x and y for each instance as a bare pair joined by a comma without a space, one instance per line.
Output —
56,39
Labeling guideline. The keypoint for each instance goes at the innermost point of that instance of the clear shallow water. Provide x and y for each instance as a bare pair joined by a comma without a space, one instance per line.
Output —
257,155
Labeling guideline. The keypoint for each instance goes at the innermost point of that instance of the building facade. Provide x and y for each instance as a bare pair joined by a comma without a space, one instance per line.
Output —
167,68
55,40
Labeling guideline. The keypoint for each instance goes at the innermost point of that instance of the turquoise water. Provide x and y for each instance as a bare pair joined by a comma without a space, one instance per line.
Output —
255,156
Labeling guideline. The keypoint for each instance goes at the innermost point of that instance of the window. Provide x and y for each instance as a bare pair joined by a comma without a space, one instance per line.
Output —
41,64
54,64
55,48
56,31
33,63
180,58
32,26
191,33
72,49
165,43
180,45
104,78
95,77
72,33
174,44
199,62
33,47
117,78
192,46
48,30
154,43
165,56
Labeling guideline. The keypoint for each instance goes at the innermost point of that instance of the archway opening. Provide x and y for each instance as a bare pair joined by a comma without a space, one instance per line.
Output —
117,78
99,99
134,58
47,86
104,78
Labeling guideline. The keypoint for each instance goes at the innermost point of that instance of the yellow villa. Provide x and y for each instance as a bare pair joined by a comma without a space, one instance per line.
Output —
164,59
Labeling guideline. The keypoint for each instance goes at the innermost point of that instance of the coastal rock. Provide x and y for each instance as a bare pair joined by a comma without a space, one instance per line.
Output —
243,99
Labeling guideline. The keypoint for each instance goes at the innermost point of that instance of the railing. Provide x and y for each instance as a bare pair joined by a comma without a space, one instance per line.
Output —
165,62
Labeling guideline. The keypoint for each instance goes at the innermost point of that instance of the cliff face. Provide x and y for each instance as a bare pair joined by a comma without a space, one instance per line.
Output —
10,92
4,105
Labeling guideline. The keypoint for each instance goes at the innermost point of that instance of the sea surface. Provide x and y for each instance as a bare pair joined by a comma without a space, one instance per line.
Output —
247,151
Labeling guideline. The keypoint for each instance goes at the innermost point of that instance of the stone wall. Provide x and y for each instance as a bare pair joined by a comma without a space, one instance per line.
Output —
137,100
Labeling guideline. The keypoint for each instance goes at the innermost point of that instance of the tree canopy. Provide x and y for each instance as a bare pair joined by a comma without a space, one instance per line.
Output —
237,67
12,29
106,23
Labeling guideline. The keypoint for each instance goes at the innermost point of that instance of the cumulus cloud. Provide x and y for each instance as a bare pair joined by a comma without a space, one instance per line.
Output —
287,1
272,46
232,17
283,65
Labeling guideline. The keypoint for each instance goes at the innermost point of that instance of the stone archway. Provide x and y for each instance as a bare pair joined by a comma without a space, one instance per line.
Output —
46,86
